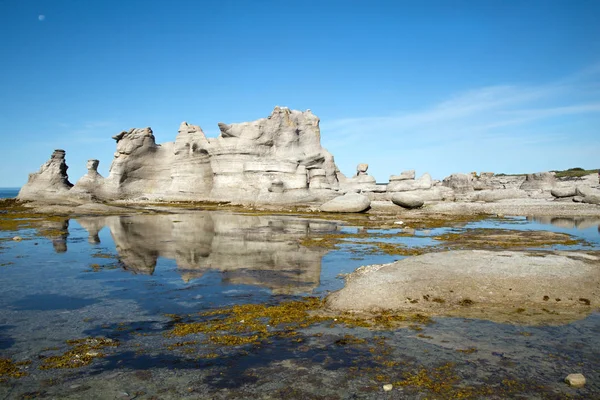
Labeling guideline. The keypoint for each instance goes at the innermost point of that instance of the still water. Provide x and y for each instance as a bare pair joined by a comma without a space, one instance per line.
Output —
120,277
8,193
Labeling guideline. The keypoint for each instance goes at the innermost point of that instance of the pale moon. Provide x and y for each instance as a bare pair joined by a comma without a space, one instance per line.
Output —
41,17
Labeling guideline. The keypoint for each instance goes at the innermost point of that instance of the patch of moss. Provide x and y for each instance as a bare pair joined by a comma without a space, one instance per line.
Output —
83,352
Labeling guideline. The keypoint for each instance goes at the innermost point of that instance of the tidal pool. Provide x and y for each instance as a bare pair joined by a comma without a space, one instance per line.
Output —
107,292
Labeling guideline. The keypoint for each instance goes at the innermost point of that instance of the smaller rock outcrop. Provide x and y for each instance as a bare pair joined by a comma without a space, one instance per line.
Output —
350,202
460,183
539,181
404,175
361,181
50,182
405,185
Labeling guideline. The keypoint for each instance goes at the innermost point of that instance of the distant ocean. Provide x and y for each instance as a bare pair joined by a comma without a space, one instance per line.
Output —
7,193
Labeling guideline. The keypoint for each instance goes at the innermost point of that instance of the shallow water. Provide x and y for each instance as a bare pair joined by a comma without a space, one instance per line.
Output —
119,277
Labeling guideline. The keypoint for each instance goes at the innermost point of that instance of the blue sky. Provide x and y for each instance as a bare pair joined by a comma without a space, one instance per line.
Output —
437,86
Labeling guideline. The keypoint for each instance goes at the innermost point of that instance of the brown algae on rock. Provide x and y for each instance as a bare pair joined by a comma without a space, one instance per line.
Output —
252,323
12,369
489,239
82,353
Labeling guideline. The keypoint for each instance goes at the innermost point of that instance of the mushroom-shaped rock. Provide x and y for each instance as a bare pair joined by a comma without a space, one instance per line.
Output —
350,202
407,200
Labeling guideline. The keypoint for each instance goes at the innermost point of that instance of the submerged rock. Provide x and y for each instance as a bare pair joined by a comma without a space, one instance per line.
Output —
575,380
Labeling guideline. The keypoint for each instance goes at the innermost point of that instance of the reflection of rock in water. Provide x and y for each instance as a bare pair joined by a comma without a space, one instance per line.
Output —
254,250
57,231
568,222
93,226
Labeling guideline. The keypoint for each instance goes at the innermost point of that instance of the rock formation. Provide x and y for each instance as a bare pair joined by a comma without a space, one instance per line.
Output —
361,182
539,181
51,182
278,159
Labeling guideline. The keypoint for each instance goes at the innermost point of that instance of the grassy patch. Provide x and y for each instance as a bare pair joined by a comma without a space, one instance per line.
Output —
574,173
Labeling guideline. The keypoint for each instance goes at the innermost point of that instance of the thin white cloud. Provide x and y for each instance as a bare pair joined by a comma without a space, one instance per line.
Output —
475,120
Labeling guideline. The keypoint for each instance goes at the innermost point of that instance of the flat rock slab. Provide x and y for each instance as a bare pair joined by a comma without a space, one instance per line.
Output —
507,286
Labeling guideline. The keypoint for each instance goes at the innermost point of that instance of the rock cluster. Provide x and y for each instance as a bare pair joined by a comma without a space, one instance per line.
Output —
273,160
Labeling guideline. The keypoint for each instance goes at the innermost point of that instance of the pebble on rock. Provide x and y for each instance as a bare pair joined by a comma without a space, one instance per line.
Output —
575,380
388,387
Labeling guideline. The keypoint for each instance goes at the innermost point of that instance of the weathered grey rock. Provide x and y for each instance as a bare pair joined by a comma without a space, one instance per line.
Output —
591,199
460,183
477,278
407,200
584,191
575,380
89,183
50,182
499,194
404,175
578,199
540,180
560,192
424,182
484,181
350,202
361,169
